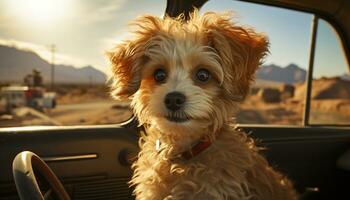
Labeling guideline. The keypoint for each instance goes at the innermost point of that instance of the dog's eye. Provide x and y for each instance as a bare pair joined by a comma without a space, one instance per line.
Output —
203,75
159,75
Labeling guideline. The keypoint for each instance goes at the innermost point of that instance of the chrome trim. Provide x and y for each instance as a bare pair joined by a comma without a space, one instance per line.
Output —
69,158
312,189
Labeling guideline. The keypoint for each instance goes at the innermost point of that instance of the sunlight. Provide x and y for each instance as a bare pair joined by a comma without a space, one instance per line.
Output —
38,11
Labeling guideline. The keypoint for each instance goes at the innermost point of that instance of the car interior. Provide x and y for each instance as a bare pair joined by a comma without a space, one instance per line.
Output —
94,162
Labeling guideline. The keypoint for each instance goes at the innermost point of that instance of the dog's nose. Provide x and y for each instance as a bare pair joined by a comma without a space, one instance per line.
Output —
174,100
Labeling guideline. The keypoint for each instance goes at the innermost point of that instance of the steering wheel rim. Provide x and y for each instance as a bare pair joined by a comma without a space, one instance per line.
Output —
26,184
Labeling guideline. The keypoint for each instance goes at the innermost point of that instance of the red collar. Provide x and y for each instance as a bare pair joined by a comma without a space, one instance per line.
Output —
196,149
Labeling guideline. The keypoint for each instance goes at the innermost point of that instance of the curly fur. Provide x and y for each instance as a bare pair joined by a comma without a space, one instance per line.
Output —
232,167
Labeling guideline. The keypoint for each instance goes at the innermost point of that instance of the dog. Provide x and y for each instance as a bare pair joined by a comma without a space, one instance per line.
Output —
185,80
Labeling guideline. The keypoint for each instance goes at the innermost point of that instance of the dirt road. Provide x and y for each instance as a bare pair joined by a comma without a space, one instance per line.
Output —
81,108
88,112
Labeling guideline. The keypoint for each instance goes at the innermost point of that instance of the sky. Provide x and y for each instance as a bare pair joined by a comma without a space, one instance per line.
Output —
83,30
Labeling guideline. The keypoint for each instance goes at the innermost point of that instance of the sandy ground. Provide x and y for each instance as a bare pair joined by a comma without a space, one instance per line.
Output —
85,113
89,113
290,112
253,111
330,111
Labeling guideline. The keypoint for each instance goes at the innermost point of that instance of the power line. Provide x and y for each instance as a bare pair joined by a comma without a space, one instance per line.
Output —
52,49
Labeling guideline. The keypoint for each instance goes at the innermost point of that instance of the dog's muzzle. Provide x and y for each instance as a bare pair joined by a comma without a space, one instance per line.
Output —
174,101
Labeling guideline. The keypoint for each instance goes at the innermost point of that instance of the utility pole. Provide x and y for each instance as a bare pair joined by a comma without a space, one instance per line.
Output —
52,49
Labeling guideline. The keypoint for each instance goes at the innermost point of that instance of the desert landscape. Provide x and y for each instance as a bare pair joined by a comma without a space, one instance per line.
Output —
76,105
277,104
274,104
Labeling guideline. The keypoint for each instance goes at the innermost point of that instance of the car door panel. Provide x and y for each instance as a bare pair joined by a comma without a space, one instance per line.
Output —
89,161
308,156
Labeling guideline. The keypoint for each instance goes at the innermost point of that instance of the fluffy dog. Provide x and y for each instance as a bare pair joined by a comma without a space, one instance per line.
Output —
185,81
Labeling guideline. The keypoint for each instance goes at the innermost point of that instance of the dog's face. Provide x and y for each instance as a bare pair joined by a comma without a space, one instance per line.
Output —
186,79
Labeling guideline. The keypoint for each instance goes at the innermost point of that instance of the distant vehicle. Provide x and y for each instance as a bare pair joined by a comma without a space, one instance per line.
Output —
20,96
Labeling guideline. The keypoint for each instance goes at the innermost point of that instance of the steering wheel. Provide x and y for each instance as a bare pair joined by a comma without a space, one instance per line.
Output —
27,186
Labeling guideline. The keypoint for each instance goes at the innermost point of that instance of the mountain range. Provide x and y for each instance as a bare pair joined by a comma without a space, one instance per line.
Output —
15,64
290,74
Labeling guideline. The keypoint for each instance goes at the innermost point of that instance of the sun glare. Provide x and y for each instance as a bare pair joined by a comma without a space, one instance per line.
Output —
38,11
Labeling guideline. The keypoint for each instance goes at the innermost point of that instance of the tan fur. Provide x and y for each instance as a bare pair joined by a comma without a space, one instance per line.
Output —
231,168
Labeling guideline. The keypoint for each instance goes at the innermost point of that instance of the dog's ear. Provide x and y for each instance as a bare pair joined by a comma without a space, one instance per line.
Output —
129,57
126,60
241,51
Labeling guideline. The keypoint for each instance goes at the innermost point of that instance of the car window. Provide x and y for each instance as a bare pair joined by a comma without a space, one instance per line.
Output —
330,93
274,98
58,46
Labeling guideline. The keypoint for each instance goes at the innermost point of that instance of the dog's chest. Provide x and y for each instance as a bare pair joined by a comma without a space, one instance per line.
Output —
198,178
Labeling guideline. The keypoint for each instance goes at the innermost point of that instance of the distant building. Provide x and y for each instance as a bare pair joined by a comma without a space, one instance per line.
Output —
34,80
